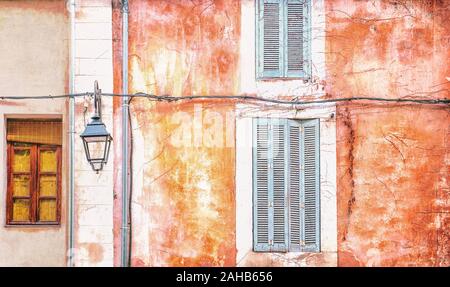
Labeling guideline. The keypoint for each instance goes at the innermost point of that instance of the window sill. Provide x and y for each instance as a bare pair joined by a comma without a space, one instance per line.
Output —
283,79
33,225
287,252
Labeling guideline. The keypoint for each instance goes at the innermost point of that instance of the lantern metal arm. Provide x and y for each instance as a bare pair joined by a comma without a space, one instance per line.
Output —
96,136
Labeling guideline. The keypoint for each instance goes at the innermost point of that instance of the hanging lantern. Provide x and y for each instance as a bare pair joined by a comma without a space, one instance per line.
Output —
96,139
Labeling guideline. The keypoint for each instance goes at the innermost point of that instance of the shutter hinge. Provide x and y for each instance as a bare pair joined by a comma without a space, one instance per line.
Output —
270,203
302,205
302,242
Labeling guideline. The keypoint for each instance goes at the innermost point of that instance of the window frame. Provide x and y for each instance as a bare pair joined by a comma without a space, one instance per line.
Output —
34,174
306,72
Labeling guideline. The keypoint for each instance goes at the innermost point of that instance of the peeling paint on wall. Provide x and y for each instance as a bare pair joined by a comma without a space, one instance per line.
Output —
392,159
183,196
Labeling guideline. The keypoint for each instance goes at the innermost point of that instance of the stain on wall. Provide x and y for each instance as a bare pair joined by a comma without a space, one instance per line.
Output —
34,61
117,130
393,160
183,195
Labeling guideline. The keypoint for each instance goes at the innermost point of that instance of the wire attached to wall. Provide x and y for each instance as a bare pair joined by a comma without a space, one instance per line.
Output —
244,97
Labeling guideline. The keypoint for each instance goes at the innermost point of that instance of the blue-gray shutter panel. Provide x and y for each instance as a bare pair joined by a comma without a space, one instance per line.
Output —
270,41
260,185
294,130
286,181
283,39
297,38
279,178
270,229
310,201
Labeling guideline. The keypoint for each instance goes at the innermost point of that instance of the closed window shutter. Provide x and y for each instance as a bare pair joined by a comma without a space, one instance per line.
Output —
294,186
284,38
261,185
279,174
270,38
270,196
286,185
296,38
310,194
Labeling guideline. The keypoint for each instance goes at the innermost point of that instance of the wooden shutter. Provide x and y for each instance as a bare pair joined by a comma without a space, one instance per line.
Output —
310,184
286,185
279,172
48,184
261,185
20,195
294,186
270,27
296,38
269,174
284,38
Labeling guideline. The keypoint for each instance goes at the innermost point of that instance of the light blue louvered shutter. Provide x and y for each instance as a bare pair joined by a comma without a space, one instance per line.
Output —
279,172
297,38
294,182
260,185
270,42
310,201
270,185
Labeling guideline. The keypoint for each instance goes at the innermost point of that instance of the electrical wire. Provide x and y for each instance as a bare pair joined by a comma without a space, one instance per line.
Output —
167,98
45,97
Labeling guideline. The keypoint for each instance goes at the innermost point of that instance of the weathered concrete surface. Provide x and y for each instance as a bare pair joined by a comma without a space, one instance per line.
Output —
393,160
93,244
183,199
34,61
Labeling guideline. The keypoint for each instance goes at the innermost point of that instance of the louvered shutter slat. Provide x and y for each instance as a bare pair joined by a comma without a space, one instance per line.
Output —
295,36
279,154
261,164
311,212
270,38
294,186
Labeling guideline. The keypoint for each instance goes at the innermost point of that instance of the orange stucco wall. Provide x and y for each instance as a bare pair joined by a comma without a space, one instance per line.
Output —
184,194
392,160
393,172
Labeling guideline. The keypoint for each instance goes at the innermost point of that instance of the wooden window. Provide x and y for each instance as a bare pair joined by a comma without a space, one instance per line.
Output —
283,38
286,185
34,179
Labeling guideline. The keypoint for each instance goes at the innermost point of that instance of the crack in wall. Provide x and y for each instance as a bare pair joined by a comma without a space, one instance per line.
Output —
351,142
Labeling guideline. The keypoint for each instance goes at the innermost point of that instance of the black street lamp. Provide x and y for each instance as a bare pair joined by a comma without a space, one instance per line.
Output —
96,139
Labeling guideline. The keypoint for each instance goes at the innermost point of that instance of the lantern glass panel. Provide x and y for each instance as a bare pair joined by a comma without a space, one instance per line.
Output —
95,139
97,149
